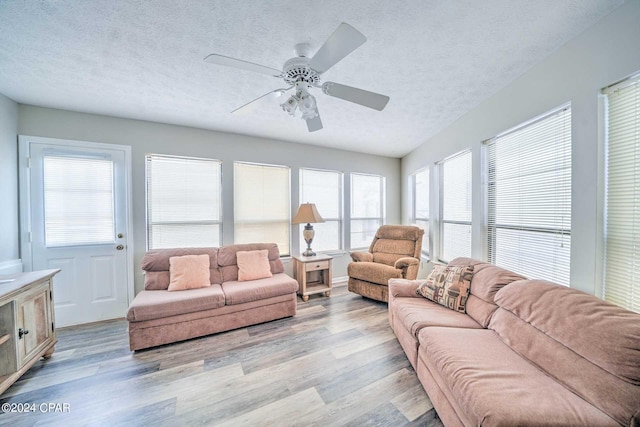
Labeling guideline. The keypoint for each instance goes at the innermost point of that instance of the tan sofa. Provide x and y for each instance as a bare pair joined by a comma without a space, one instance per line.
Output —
526,353
157,316
394,253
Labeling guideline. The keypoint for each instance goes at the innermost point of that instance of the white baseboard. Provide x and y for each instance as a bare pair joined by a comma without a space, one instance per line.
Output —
12,266
340,281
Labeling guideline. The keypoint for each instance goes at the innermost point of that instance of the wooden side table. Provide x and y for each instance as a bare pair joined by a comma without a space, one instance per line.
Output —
313,275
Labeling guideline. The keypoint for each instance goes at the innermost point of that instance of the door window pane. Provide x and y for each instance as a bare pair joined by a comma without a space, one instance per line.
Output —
78,201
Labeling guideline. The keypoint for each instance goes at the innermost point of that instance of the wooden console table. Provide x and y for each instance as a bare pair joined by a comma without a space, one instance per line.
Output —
27,326
313,274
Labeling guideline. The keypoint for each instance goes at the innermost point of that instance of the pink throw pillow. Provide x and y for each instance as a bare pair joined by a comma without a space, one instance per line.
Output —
189,272
253,265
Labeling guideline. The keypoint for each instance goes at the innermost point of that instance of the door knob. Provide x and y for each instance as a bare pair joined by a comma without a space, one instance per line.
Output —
22,332
120,235
120,247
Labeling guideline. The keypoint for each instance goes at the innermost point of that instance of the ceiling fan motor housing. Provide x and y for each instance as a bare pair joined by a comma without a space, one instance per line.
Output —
297,69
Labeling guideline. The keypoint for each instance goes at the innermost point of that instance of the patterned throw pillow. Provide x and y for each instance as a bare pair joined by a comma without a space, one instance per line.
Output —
448,286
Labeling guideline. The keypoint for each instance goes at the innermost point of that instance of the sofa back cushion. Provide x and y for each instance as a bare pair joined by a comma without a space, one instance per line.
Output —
487,280
228,261
591,346
156,266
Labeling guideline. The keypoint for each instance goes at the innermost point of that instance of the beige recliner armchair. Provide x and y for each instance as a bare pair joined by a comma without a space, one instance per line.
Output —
394,253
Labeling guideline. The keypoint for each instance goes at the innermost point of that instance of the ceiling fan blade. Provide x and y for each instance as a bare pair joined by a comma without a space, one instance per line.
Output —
243,65
251,105
314,124
355,95
344,40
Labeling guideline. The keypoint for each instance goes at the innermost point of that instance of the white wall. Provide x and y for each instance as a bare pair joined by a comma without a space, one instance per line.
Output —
149,137
9,238
605,53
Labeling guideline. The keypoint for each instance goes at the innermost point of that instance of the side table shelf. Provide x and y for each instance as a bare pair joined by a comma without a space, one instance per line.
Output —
313,275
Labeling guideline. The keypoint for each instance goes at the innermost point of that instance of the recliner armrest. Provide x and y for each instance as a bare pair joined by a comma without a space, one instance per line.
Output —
362,256
405,262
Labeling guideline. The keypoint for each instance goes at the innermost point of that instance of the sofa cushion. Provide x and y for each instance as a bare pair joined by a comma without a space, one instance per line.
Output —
492,385
188,272
589,345
241,292
448,286
373,272
156,265
417,313
253,265
228,261
148,305
487,280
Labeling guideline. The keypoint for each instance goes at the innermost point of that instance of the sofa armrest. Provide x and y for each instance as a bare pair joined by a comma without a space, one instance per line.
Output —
362,256
403,288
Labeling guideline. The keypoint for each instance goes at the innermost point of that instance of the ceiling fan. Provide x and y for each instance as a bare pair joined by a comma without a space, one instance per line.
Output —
303,73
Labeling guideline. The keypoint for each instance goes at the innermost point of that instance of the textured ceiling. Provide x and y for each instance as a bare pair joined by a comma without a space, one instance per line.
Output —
144,60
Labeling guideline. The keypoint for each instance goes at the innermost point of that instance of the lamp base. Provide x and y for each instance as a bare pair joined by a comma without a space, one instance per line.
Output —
308,252
308,234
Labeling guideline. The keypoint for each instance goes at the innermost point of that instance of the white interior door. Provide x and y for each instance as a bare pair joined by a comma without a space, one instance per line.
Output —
78,218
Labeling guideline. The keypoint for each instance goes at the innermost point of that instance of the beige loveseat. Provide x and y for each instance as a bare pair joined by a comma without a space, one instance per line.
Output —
157,316
526,353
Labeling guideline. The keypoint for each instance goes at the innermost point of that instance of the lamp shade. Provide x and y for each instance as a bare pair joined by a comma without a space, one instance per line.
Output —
307,213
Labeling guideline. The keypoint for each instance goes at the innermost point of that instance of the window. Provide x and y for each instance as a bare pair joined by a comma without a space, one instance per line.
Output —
421,205
324,188
262,209
183,202
78,201
529,198
367,208
622,227
455,207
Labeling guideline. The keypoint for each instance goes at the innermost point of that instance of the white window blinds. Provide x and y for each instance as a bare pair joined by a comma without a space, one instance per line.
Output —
78,201
455,207
622,229
324,188
529,198
367,208
183,202
262,205
421,205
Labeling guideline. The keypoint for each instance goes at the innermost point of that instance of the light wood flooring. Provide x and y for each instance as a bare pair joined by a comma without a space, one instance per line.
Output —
335,363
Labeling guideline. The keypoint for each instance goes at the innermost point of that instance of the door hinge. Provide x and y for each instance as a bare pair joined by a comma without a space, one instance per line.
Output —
28,162
29,236
52,328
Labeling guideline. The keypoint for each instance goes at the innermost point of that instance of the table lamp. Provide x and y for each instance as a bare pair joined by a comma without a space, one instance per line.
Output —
308,213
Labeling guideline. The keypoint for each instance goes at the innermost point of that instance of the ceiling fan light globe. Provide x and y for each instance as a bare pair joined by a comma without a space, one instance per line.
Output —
290,105
307,103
